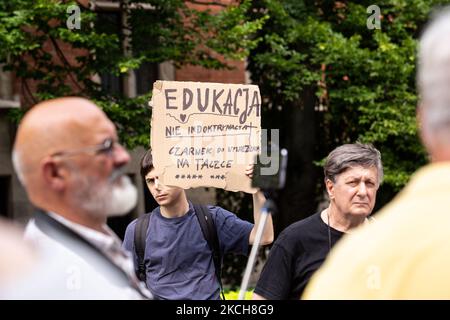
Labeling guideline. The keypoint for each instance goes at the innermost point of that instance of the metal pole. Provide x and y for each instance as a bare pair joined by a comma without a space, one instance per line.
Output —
254,252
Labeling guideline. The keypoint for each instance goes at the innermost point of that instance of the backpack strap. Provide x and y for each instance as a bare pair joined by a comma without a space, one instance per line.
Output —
140,235
210,233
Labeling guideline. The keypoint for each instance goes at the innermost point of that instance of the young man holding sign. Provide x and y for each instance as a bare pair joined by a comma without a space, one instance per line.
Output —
178,259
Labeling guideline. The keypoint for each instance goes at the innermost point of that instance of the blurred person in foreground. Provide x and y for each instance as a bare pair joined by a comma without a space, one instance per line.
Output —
67,156
16,257
353,173
24,274
406,254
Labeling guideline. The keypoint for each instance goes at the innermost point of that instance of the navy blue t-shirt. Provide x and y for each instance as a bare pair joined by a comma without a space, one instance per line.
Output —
178,261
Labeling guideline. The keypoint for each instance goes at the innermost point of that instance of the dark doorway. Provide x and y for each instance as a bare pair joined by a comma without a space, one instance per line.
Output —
5,189
149,201
119,224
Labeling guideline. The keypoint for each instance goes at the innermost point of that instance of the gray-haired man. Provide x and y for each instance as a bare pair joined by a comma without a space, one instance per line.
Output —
353,173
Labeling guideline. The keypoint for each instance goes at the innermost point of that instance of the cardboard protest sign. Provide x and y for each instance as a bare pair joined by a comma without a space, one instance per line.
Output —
205,134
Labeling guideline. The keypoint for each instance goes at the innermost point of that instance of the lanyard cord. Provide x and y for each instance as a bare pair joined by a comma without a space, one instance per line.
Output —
329,232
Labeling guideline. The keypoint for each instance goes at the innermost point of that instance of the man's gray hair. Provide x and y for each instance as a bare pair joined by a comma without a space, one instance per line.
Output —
433,72
352,155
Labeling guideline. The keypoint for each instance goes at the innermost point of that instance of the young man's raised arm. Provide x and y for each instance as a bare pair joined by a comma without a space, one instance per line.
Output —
258,202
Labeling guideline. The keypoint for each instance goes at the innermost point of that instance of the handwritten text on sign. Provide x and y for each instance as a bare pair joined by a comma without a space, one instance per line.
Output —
205,134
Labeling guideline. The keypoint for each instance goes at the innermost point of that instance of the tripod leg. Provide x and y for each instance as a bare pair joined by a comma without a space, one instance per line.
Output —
253,253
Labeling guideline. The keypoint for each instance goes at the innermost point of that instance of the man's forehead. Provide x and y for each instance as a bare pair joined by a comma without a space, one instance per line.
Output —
359,171
94,129
72,121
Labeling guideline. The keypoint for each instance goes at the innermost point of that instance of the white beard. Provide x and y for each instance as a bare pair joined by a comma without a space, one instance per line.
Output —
123,198
107,199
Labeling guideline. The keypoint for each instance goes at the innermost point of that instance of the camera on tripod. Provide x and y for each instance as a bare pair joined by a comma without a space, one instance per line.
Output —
269,172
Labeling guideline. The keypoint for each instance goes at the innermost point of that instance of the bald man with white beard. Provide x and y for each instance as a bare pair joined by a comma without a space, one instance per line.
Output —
67,156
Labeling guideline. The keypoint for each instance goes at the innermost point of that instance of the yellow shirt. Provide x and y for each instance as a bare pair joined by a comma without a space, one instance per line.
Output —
405,255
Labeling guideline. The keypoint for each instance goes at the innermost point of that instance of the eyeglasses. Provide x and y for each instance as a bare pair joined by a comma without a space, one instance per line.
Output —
106,147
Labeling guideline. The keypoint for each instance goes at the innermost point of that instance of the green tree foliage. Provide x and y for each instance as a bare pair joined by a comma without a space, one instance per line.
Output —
363,79
37,45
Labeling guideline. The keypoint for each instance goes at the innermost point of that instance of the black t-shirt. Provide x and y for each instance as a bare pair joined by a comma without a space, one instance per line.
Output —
297,253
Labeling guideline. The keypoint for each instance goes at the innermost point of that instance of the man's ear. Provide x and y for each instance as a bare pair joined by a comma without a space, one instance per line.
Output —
330,188
53,173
